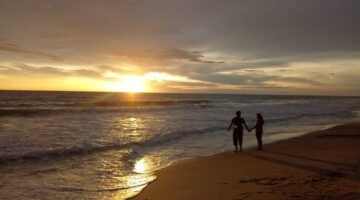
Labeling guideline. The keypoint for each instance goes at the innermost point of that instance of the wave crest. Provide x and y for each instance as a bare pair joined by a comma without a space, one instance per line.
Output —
89,149
27,110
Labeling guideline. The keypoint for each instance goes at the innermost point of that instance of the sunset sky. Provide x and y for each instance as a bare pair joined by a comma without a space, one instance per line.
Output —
207,46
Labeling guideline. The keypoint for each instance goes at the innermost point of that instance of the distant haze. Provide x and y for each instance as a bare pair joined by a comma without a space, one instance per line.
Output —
213,46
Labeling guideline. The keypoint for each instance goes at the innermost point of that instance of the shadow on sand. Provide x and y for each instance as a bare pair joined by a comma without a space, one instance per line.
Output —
314,169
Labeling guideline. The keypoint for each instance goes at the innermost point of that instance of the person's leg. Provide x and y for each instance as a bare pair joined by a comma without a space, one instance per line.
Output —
240,141
235,142
259,140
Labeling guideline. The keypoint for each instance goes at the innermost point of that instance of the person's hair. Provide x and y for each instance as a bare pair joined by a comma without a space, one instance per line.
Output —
238,113
259,116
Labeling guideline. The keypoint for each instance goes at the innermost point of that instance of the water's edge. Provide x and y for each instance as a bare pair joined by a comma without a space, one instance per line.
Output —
291,136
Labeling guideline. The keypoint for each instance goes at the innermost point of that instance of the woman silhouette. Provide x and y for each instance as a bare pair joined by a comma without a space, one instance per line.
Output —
259,129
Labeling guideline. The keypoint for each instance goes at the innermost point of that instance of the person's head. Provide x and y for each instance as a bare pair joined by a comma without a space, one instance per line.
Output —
259,116
238,113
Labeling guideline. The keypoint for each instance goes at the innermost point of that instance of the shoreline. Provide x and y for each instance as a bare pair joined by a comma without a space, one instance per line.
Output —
288,175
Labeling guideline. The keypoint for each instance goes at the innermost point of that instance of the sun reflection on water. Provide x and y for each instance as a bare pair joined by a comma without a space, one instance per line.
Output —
136,182
144,165
132,126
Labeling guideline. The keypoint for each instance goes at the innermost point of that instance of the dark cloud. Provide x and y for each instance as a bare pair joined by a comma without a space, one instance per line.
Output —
263,63
248,28
179,54
254,70
247,79
162,55
8,46
284,28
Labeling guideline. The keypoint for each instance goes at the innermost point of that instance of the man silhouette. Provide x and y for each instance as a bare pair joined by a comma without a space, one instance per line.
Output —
237,122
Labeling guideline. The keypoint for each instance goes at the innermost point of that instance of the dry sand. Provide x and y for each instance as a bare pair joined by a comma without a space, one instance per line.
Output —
320,165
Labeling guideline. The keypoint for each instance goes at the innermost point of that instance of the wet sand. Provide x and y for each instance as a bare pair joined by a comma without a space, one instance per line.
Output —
319,165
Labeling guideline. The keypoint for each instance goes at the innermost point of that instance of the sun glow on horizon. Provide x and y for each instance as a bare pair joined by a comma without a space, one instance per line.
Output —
131,84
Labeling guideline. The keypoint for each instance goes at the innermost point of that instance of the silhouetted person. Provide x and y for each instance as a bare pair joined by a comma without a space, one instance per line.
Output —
259,129
237,123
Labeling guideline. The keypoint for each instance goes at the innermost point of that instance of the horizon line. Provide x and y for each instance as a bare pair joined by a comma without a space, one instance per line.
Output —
204,93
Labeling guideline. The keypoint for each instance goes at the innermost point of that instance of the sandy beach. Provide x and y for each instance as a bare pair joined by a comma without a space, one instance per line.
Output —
319,165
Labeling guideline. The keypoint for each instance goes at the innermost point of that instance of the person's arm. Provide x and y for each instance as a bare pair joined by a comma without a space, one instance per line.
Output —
243,120
252,128
231,123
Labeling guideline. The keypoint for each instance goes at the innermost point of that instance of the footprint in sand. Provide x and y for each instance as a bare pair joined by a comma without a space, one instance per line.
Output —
266,181
242,196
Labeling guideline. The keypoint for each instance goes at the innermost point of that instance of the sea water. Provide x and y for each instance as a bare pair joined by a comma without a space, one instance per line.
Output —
83,145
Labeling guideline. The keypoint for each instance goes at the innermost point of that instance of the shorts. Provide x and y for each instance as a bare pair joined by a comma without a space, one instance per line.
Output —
237,137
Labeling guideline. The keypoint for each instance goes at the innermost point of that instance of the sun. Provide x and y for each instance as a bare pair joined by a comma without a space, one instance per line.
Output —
129,84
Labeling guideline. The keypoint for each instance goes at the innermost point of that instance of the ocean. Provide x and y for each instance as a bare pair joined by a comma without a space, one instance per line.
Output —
93,145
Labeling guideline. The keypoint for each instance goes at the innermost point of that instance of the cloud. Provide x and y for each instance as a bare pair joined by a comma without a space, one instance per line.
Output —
8,46
60,37
27,70
182,85
179,54
254,79
247,43
159,56
247,29
254,70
